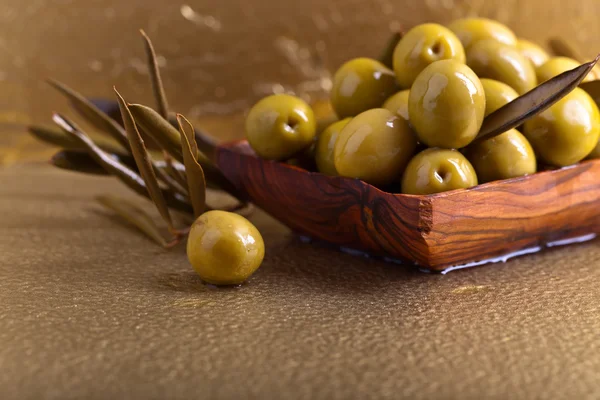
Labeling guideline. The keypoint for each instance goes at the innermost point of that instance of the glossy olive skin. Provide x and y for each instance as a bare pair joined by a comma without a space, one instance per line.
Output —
374,146
556,66
325,146
567,132
495,60
505,156
421,46
472,30
531,51
361,84
279,126
497,94
446,105
224,248
438,170
398,104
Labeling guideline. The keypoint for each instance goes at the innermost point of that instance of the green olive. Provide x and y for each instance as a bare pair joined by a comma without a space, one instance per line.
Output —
472,30
374,146
438,170
361,84
556,66
595,153
504,156
421,46
398,104
495,60
224,248
567,132
446,105
497,94
531,51
325,146
279,126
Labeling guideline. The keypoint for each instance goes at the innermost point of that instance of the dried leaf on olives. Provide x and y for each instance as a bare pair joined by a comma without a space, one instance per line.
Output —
534,102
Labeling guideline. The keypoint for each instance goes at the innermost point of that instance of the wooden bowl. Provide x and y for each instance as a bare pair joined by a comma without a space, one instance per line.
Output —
439,232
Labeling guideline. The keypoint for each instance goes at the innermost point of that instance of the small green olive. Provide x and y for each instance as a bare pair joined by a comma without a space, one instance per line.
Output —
472,30
224,248
279,126
325,146
446,105
556,66
531,51
567,132
438,170
374,146
398,104
502,157
361,84
504,63
421,46
497,95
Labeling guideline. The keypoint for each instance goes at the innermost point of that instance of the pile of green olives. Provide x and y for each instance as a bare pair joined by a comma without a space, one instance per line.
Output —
412,126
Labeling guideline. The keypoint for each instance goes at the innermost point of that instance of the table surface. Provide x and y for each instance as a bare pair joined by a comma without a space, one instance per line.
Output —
90,309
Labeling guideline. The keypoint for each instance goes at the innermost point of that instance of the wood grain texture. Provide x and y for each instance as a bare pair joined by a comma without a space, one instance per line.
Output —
435,231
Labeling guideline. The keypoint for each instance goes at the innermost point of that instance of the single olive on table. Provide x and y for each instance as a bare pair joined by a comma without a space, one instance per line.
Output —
224,248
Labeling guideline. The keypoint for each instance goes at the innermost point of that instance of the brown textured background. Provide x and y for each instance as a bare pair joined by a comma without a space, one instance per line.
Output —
90,310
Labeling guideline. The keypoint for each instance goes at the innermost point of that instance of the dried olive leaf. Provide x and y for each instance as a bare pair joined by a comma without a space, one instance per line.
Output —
143,161
135,216
593,89
387,56
93,115
157,86
169,139
165,134
78,161
114,167
195,175
562,48
533,102
59,138
206,143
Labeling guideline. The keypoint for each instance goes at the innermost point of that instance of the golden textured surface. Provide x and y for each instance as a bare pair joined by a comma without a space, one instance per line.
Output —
89,309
